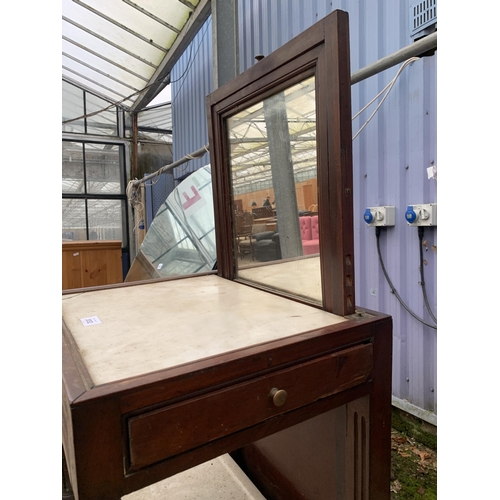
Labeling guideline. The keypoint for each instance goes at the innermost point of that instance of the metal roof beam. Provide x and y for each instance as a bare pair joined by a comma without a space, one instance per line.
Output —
93,68
88,89
225,58
162,75
109,42
188,4
100,56
152,16
121,26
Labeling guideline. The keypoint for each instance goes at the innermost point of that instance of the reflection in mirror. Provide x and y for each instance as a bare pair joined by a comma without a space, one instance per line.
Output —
274,192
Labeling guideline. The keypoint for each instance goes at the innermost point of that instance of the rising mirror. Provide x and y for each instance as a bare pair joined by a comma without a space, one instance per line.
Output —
274,192
280,139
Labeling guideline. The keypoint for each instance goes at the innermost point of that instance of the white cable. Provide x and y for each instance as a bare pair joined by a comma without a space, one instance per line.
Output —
132,192
374,99
133,195
389,87
135,202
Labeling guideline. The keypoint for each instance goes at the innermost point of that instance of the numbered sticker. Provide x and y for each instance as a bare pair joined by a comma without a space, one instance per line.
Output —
94,320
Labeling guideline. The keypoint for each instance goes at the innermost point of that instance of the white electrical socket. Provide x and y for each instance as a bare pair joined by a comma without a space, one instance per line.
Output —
380,216
423,214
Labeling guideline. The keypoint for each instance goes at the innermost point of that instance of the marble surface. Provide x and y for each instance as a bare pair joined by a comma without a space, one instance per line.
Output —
219,479
152,326
300,277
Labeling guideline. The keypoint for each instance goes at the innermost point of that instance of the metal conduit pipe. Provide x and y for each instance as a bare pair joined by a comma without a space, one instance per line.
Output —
197,154
416,49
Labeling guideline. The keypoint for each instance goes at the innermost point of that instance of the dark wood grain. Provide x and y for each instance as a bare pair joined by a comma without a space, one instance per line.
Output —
124,435
323,51
166,432
99,416
198,377
232,442
335,184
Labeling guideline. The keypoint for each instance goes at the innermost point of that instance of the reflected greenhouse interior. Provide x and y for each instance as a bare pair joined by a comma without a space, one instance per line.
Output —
273,175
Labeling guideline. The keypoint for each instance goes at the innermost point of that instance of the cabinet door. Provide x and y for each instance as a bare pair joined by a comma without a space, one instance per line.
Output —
71,268
91,263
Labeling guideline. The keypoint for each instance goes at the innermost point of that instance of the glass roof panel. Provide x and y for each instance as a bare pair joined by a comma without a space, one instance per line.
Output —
115,48
74,55
159,117
72,106
116,54
100,27
133,19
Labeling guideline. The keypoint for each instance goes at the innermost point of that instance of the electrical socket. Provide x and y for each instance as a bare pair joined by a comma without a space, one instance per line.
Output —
380,216
424,214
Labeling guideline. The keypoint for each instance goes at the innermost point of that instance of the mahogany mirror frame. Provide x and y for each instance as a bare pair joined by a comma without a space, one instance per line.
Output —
321,51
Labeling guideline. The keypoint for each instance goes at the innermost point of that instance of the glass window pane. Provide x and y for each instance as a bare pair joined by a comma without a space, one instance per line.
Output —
103,169
198,217
128,124
74,226
274,180
72,107
106,219
181,238
72,167
170,249
103,123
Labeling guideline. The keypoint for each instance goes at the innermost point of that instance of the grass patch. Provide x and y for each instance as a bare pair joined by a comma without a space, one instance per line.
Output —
413,469
414,428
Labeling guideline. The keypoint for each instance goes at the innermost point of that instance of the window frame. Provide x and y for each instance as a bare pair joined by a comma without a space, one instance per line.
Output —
97,196
117,112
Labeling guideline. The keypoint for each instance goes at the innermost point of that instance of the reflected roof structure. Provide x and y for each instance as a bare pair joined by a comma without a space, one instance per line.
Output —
250,158
124,50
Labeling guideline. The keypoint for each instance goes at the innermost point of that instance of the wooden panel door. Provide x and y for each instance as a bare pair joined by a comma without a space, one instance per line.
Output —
91,263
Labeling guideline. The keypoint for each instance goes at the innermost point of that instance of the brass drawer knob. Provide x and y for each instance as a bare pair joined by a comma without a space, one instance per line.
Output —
279,396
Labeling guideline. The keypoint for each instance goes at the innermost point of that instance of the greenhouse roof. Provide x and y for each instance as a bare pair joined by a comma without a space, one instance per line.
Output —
124,50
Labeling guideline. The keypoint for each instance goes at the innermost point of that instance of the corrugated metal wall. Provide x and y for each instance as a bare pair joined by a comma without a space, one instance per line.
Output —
191,82
391,156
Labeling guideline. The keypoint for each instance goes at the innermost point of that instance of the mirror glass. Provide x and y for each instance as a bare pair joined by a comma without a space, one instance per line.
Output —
273,177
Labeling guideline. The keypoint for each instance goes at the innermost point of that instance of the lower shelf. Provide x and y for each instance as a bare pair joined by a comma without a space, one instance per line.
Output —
220,478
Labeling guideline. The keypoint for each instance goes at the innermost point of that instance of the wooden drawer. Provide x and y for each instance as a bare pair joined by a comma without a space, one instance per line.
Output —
159,434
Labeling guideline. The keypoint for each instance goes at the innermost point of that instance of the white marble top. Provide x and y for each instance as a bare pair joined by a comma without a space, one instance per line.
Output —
152,326
300,277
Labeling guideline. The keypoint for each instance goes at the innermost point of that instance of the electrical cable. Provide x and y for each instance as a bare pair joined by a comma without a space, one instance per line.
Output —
133,194
389,87
422,282
393,290
372,101
135,202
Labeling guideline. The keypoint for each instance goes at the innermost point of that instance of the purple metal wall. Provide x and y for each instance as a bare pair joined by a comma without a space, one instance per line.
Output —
391,156
191,82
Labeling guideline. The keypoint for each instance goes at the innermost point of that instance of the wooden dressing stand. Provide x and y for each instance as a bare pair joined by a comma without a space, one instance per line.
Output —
279,369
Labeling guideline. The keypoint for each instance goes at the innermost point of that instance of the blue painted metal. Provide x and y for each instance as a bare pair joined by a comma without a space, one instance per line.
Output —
157,192
390,158
191,82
